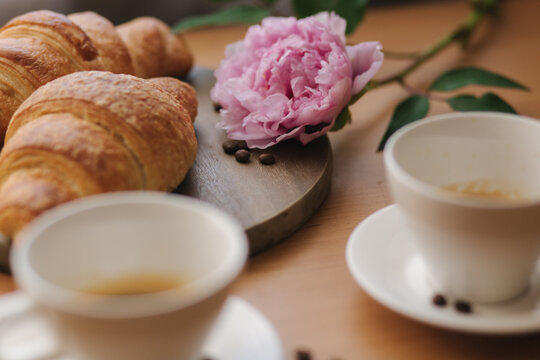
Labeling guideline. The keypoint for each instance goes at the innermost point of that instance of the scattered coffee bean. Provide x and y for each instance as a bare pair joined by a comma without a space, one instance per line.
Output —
242,156
303,355
267,159
232,146
229,146
439,300
463,306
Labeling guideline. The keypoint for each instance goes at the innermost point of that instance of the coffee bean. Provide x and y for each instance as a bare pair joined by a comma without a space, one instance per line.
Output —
217,107
463,306
267,159
242,156
303,355
232,146
439,300
229,146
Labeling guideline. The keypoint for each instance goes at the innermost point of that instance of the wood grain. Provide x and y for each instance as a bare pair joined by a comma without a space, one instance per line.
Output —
270,201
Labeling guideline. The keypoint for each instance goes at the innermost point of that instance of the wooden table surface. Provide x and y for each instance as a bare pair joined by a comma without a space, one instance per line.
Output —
303,285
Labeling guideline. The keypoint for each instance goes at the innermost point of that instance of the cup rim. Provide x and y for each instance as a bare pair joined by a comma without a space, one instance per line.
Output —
68,300
432,191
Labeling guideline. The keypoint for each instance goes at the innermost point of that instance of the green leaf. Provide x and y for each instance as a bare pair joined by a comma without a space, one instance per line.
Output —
351,10
411,109
487,102
238,14
457,78
342,119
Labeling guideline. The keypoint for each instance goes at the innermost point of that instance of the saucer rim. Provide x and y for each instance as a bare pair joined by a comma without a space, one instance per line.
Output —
19,303
259,321
468,323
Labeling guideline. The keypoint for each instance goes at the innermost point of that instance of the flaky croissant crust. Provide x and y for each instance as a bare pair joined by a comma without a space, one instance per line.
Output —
92,132
41,46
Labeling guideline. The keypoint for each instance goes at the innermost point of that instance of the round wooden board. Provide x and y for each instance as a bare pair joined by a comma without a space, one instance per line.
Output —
270,201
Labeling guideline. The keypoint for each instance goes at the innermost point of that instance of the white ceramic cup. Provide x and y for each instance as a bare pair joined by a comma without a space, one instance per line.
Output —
73,247
473,248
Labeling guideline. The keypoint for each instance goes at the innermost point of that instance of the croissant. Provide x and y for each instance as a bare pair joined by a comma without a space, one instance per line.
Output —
41,46
93,132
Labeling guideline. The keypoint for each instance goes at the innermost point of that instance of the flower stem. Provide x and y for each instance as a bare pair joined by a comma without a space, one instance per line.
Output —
401,55
415,91
480,8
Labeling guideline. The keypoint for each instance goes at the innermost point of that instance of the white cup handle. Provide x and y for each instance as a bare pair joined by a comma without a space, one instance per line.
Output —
24,332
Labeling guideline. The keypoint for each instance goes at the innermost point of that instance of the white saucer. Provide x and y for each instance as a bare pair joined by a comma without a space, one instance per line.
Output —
383,260
241,333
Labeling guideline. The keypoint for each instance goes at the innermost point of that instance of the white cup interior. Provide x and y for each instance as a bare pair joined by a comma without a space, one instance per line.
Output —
465,147
75,246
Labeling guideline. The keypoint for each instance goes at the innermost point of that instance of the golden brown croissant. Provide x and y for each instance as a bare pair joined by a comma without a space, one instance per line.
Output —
41,46
93,132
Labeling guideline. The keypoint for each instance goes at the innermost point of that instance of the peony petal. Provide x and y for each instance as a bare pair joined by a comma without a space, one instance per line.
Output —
274,107
305,138
366,59
234,48
334,22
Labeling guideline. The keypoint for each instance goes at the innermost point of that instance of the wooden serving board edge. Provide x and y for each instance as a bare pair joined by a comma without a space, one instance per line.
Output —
271,231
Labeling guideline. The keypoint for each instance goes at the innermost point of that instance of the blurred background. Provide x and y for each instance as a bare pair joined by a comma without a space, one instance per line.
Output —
119,11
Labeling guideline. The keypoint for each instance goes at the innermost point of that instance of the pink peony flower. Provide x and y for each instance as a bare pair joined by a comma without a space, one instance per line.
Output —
291,78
